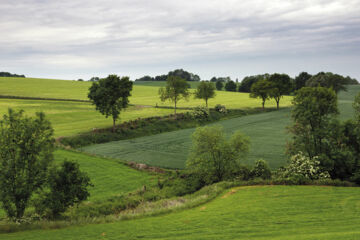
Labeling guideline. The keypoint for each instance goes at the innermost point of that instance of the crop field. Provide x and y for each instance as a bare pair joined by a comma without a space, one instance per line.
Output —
260,212
141,95
71,118
267,132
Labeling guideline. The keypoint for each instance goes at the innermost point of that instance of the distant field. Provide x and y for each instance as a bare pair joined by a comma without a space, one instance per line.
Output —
161,83
141,95
71,118
267,132
259,213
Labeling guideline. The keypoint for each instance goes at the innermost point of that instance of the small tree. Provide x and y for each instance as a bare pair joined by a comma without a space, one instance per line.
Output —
219,85
68,186
110,95
213,157
176,89
230,86
262,89
282,85
205,90
26,150
261,170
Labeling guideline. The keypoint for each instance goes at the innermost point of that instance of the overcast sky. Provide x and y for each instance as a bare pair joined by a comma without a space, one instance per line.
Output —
71,39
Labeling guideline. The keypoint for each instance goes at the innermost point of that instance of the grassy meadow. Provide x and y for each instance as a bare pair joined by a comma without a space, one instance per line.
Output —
71,118
141,95
259,212
267,132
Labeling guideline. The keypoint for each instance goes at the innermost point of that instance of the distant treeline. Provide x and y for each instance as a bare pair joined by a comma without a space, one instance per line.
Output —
188,76
7,74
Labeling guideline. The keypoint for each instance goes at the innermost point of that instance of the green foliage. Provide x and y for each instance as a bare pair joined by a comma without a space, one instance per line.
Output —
328,80
110,95
262,89
248,81
205,90
282,85
220,108
200,113
219,85
356,106
302,166
67,186
176,89
261,170
212,156
26,150
230,86
301,79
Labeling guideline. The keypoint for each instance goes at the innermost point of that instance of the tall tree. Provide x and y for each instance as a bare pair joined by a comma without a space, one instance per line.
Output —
262,89
328,80
282,85
176,89
26,150
248,81
230,86
301,79
312,114
219,85
205,90
110,95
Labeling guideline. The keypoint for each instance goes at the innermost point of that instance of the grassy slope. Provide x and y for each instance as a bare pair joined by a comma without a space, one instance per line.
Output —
141,95
267,132
70,118
266,212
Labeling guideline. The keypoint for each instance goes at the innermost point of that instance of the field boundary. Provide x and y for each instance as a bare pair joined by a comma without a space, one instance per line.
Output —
40,98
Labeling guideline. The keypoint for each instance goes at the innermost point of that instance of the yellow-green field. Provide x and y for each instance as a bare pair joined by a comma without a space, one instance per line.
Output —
71,118
141,95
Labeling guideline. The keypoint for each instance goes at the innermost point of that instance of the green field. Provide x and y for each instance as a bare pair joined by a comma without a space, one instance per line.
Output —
141,95
70,118
267,132
263,212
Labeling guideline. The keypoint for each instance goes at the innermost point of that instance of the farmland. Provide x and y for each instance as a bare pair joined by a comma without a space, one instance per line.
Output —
141,95
264,212
267,132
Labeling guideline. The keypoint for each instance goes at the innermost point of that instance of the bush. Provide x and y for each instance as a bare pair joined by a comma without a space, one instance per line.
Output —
67,186
261,170
220,108
200,113
301,165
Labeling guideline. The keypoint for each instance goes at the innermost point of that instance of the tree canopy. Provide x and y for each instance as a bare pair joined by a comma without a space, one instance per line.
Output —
26,151
110,95
230,86
262,89
205,90
282,85
248,81
176,89
328,80
301,79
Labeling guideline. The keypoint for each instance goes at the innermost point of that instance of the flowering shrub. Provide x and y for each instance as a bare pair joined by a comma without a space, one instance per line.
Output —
220,108
200,113
302,166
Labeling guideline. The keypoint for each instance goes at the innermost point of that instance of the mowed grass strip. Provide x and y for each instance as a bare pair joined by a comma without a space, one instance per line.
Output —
71,118
141,95
267,132
260,212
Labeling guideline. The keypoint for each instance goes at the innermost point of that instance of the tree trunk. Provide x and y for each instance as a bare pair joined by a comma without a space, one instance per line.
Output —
113,128
277,104
263,105
175,108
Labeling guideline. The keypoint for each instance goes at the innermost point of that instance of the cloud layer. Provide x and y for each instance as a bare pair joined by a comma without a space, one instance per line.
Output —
73,39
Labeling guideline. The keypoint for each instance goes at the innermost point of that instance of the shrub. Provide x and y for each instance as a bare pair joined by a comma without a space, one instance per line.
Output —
261,170
301,165
67,185
220,108
200,113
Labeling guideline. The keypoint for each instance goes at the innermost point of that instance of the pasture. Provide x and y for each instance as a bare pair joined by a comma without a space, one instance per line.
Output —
267,132
141,95
71,118
259,212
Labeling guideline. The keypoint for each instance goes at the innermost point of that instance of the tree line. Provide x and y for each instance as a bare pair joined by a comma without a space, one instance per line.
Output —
7,74
188,76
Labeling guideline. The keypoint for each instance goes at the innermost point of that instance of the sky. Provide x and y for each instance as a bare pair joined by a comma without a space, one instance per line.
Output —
72,39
